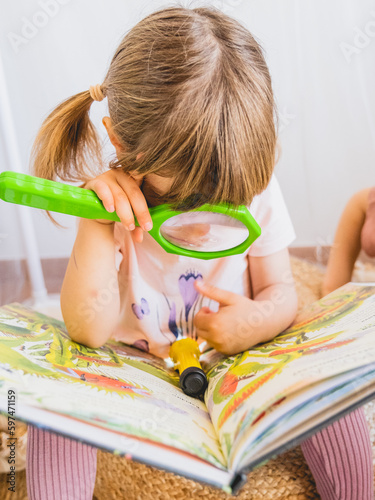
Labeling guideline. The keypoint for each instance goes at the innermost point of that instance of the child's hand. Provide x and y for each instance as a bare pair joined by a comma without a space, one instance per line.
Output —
227,330
119,191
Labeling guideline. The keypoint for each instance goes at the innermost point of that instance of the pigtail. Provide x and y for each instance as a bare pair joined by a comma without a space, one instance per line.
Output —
67,143
67,146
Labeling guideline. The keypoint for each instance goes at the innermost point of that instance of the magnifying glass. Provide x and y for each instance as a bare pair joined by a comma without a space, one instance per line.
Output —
206,232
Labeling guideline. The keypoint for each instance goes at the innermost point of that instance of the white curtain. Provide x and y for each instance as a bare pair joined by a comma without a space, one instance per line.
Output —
321,54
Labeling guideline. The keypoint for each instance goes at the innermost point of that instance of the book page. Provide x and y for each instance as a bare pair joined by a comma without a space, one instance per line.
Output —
115,387
300,407
315,413
338,335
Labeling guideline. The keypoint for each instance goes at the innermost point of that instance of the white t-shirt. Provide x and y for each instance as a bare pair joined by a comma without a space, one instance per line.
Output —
158,298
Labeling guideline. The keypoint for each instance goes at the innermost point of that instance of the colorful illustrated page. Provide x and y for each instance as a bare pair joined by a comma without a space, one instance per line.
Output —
116,387
338,335
299,410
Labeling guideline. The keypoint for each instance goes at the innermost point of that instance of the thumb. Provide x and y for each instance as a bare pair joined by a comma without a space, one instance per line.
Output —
224,297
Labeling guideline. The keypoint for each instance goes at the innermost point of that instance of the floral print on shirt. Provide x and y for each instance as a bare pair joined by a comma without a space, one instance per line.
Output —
176,325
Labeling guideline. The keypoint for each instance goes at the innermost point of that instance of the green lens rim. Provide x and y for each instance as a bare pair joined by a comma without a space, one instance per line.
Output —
162,213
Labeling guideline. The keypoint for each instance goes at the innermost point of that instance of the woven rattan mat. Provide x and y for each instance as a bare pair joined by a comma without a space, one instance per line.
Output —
285,477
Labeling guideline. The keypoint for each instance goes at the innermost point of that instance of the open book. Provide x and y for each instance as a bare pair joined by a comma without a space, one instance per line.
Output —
258,403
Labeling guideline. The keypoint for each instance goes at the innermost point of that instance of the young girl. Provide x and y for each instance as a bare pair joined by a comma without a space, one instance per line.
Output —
192,119
355,231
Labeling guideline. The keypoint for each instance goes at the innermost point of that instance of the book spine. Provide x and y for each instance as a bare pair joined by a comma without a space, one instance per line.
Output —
238,481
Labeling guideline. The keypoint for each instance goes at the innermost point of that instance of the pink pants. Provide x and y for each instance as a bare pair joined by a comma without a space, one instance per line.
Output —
339,457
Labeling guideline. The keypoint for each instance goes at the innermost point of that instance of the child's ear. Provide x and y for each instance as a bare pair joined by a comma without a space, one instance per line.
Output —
107,122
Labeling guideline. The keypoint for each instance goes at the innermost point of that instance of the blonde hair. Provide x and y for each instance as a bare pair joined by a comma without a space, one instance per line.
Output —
191,91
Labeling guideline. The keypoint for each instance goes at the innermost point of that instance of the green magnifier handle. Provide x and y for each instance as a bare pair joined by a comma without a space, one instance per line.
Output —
36,192
53,196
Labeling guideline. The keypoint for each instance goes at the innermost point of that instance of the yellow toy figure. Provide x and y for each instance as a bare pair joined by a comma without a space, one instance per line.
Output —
185,355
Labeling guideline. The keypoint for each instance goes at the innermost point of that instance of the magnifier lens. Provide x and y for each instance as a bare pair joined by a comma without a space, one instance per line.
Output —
204,231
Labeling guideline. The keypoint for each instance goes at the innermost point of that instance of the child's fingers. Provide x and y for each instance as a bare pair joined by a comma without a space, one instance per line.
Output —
204,334
224,297
138,234
123,208
121,192
203,321
137,200
137,177
105,194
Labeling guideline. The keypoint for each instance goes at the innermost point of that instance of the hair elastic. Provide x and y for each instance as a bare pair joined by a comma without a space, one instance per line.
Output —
96,92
